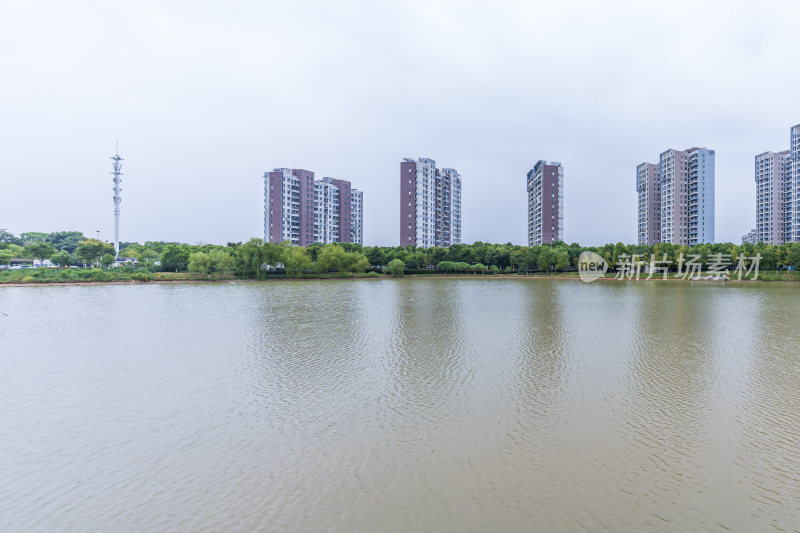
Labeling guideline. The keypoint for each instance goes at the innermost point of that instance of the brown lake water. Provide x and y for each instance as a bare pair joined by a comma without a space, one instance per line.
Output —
400,405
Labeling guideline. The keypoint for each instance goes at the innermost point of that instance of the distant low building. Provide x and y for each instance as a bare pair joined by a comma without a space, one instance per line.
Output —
18,262
125,261
750,237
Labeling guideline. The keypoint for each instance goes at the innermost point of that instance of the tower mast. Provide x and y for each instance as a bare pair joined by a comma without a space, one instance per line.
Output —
117,198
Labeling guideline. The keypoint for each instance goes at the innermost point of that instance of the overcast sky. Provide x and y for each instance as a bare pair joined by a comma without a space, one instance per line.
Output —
206,96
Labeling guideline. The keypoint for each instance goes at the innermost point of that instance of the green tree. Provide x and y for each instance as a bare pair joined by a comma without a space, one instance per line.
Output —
793,257
547,258
8,238
376,256
447,266
562,261
40,251
220,261
14,250
157,246
62,259
396,268
519,258
335,258
780,257
91,250
357,262
200,262
332,258
175,257
297,261
255,257
106,260
314,250
33,236
768,257
437,255
619,249
66,240
6,256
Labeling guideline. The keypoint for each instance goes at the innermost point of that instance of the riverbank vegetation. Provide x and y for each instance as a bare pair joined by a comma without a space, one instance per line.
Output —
75,258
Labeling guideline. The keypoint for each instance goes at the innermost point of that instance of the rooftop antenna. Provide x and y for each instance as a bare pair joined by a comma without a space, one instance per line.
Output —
117,198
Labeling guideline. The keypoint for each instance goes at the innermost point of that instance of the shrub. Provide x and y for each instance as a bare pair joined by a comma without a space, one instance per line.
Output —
396,268
447,266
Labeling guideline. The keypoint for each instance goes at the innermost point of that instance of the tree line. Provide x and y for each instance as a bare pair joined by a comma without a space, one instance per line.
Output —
257,259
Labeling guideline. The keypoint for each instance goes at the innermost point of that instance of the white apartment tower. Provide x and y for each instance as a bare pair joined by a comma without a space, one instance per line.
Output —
448,189
686,188
771,175
777,177
326,211
357,219
794,183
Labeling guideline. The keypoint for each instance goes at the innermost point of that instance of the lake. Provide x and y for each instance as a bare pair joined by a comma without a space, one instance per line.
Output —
398,405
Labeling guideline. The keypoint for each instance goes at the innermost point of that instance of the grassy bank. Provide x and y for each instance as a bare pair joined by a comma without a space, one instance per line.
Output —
132,275
127,274
99,275
74,275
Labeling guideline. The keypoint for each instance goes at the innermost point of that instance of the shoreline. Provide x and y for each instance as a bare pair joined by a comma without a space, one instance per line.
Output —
353,278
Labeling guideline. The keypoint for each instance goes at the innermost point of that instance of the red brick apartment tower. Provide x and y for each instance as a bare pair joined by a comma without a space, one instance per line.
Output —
273,198
289,206
306,207
648,189
345,210
408,202
545,187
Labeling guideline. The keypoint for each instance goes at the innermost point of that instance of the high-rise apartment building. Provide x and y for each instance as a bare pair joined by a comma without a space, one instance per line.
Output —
771,190
649,213
545,186
327,213
684,208
430,204
793,186
301,210
289,206
357,211
777,193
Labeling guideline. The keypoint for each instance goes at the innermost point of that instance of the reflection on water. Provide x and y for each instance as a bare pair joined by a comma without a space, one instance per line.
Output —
400,405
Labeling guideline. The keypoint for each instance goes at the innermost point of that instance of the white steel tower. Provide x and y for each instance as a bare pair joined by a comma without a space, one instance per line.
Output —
117,198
